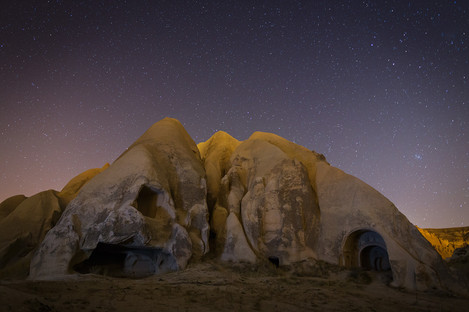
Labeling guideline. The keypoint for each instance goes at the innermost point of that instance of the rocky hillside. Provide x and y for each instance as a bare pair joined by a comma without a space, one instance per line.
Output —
447,240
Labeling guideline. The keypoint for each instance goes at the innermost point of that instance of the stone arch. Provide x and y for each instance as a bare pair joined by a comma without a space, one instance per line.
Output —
365,248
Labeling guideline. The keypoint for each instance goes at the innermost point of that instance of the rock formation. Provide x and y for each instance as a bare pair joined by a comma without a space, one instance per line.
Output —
166,201
277,200
25,221
357,222
24,228
153,195
266,205
446,241
9,204
72,188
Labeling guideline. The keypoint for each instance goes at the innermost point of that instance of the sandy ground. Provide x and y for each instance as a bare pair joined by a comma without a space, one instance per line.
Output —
219,287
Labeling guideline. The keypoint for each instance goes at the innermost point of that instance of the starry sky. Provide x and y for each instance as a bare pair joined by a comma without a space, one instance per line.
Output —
379,87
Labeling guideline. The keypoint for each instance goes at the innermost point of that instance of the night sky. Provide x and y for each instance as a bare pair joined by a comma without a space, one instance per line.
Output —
379,87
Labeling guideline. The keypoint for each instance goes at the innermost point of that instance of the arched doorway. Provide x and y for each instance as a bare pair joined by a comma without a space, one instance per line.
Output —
374,258
366,249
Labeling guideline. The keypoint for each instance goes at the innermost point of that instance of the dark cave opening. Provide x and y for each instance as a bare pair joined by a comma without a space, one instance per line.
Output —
151,203
127,261
274,260
146,201
374,258
366,249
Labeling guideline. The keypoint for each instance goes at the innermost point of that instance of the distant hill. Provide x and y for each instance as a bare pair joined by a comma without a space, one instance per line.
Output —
447,240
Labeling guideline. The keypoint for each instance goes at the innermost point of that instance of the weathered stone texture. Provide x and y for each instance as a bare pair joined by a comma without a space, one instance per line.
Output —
152,195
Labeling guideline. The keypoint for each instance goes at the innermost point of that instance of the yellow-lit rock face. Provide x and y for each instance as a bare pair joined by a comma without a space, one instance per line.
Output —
446,241
72,188
153,196
263,199
9,204
215,154
23,229
25,221
273,199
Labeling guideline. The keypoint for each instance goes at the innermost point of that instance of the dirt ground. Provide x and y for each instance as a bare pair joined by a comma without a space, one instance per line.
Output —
220,287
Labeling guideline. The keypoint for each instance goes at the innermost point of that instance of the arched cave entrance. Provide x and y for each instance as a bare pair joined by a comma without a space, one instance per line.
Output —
366,249
375,258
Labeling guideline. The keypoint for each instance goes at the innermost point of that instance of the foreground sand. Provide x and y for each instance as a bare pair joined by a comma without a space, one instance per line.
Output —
215,287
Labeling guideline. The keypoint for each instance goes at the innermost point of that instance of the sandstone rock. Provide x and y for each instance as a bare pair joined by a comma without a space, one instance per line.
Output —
284,202
152,195
23,229
216,153
461,253
9,204
350,208
24,223
446,241
266,205
72,188
459,265
308,158
266,199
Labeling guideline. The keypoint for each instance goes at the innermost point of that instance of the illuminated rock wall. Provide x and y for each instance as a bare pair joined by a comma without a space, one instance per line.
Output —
165,202
153,195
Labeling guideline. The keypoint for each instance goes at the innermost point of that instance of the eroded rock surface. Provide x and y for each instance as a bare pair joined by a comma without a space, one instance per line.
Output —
283,202
9,204
350,206
71,189
265,199
266,206
152,195
23,229
446,241
24,223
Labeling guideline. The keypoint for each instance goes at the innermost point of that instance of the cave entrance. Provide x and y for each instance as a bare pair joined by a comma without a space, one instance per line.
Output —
127,261
375,258
366,249
274,260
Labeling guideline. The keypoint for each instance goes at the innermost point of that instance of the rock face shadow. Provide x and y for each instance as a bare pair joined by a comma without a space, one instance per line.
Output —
127,261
